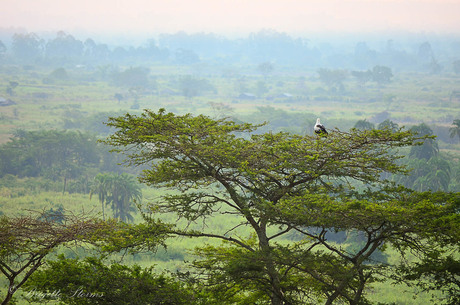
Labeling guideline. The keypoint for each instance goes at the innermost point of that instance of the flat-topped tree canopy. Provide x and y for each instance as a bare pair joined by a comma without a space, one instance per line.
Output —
189,150
277,183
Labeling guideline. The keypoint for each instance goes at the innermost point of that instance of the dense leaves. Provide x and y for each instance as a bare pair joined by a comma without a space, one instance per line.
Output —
280,183
93,281
53,154
25,241
121,192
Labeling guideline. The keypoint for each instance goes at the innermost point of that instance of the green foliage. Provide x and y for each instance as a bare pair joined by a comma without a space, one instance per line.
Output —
51,154
277,183
364,125
388,124
232,270
132,77
118,191
429,147
439,268
435,273
455,129
190,86
362,76
59,74
332,78
45,106
25,241
93,281
115,236
381,74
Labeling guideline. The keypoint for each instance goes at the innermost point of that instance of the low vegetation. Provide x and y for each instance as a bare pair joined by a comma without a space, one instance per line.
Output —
238,202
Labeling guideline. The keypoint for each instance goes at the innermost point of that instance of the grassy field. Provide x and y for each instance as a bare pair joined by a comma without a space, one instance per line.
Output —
411,98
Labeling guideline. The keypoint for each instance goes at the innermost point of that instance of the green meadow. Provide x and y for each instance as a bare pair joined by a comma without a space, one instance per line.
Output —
288,99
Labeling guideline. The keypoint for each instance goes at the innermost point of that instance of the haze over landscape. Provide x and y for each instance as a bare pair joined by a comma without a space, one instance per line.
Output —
232,17
214,106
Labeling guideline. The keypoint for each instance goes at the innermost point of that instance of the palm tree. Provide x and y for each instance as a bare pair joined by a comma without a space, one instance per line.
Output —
429,148
120,191
100,187
455,130
437,176
124,191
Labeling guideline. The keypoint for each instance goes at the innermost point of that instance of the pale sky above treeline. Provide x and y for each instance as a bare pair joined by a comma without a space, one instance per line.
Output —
231,17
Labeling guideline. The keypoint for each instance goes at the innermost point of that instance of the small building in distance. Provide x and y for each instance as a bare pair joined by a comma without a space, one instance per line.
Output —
6,102
247,96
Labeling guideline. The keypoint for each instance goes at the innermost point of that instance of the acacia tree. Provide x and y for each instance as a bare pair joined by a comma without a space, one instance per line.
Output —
277,184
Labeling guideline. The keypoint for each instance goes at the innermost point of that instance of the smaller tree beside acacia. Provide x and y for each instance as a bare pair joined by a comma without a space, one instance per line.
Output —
279,184
98,282
26,241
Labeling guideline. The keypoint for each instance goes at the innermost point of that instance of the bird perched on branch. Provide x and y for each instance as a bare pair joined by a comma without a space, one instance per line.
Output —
319,128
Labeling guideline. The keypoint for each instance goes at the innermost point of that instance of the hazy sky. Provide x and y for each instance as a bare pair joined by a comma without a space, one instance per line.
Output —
231,16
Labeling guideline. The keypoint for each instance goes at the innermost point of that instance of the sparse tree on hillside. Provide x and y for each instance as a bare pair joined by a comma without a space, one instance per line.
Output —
49,153
332,78
12,85
265,68
186,57
381,75
191,86
261,88
388,124
132,77
118,97
362,76
364,125
64,46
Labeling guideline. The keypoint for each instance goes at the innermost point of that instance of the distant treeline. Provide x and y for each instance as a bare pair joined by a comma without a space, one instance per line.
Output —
440,55
57,156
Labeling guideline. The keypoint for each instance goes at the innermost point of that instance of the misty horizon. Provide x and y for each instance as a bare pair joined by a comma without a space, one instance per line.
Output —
136,20
379,40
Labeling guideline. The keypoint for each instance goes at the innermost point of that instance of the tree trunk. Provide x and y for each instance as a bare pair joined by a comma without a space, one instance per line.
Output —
277,295
65,184
7,298
9,293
